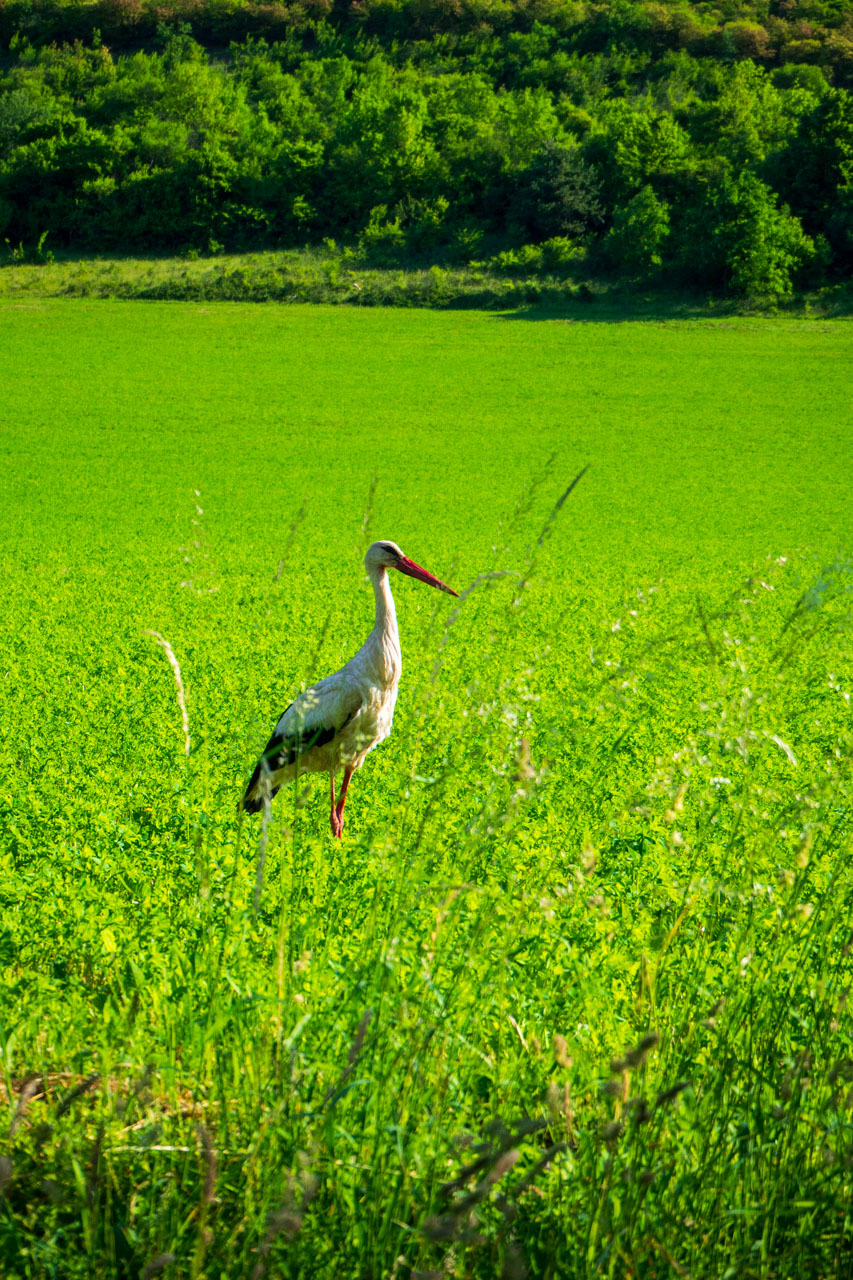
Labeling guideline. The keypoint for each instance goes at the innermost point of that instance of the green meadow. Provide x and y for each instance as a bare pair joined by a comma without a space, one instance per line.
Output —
569,998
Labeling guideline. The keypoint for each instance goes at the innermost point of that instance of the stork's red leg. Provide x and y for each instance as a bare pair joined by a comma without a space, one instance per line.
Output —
342,798
334,822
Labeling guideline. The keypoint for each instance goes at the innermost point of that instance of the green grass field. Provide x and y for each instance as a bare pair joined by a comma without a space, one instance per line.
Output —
569,999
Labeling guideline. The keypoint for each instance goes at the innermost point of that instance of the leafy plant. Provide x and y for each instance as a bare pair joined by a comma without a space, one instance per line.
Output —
559,194
637,238
577,975
37,254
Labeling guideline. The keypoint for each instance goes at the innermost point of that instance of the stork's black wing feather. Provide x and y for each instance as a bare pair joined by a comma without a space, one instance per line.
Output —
281,750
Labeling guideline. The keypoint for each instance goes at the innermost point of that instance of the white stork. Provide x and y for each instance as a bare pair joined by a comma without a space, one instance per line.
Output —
337,721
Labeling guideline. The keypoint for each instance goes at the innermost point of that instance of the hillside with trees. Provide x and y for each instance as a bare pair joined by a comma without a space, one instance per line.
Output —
688,145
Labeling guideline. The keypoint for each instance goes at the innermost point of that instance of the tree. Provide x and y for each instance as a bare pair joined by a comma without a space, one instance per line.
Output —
630,146
640,229
559,194
740,239
815,172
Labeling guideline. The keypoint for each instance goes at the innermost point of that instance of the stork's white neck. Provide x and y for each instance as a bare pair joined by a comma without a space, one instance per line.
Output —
386,615
382,649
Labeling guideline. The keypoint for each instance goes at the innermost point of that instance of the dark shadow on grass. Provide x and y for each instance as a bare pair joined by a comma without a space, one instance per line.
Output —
667,308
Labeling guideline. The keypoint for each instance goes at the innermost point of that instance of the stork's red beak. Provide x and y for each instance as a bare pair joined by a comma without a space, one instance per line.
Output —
407,566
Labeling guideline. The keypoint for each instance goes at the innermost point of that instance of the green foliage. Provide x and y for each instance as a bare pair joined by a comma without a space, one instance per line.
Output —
637,238
475,130
816,172
578,970
749,117
559,194
381,231
558,255
801,76
36,254
426,222
632,145
760,248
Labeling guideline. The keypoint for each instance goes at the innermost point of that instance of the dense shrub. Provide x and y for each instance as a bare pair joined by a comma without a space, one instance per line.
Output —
637,238
559,194
744,242
656,141
815,172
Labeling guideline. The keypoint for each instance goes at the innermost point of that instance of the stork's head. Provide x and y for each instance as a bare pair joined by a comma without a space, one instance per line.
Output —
387,555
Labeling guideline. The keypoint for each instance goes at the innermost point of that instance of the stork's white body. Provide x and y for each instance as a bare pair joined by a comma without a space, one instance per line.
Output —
334,724
357,701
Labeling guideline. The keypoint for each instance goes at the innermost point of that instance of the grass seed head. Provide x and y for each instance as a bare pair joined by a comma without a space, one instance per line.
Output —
208,1152
639,1108
358,1042
77,1092
179,685
669,1095
31,1088
156,1265
502,1166
441,1227
524,771
637,1056
612,1132
561,1052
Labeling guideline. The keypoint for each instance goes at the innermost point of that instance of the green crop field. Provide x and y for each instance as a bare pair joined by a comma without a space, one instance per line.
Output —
569,998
